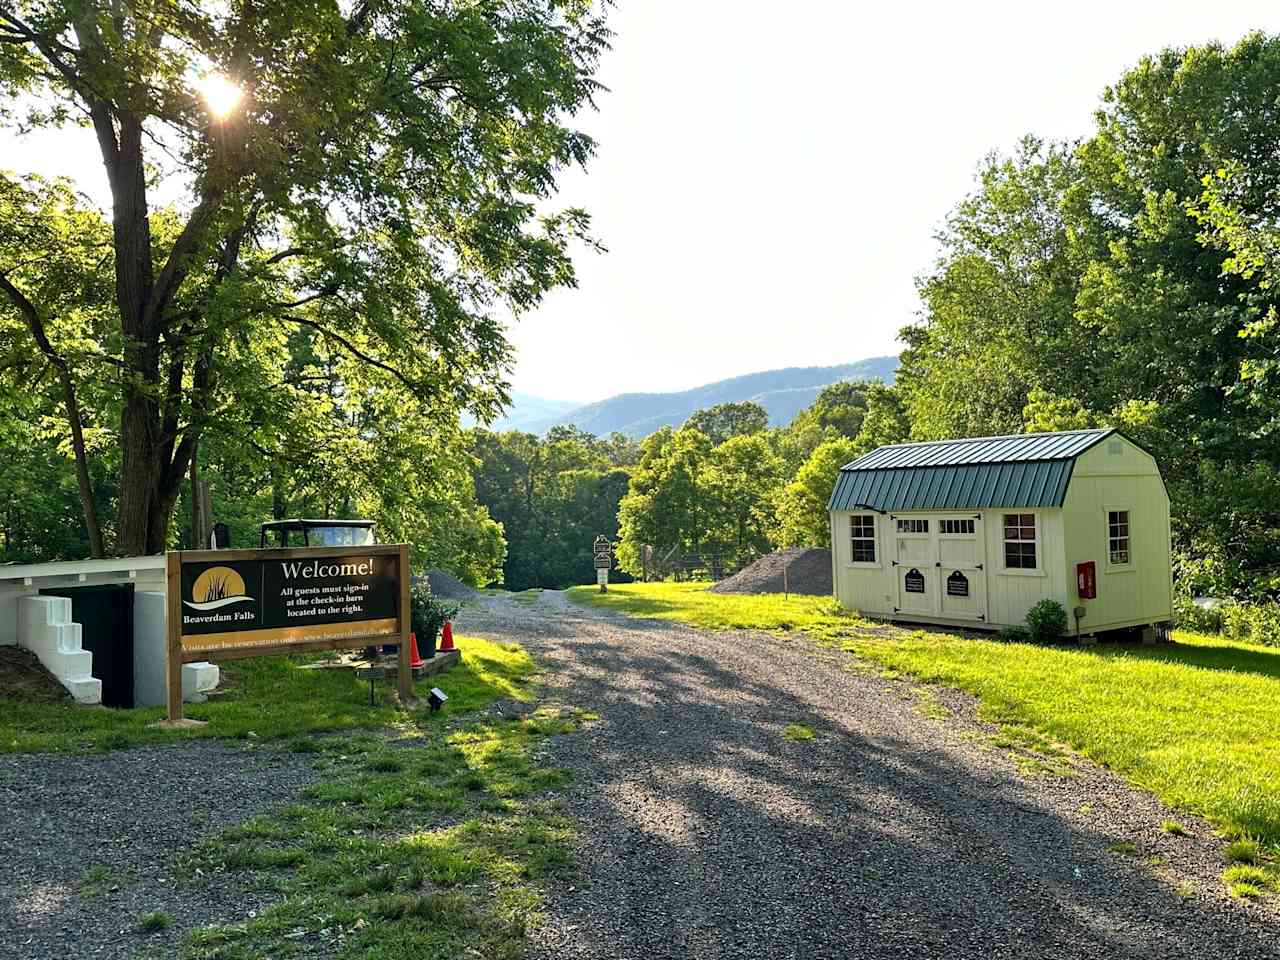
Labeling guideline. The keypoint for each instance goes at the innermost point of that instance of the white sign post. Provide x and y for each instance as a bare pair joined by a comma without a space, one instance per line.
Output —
603,550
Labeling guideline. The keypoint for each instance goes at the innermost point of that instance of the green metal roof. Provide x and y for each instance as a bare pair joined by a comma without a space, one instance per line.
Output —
1029,470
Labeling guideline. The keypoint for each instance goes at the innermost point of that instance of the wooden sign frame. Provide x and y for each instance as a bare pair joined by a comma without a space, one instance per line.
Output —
177,654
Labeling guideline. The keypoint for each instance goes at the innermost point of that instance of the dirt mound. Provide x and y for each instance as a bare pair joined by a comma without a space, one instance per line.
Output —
23,677
448,586
807,571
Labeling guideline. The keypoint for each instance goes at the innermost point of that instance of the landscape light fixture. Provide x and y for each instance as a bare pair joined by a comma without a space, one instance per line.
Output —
220,94
437,698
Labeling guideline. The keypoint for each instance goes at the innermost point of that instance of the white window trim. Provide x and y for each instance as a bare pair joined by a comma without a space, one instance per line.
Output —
1039,570
1108,566
875,539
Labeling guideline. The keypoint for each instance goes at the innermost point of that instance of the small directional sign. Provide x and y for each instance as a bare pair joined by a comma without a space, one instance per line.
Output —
602,549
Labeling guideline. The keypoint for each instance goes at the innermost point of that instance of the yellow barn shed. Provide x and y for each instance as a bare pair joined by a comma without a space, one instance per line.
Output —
974,532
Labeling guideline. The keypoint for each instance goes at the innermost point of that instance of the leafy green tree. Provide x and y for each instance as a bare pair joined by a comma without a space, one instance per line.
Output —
1154,298
40,517
802,519
885,421
999,307
1123,281
1245,233
55,293
1045,413
553,496
666,504
376,187
840,406
739,484
726,420
837,411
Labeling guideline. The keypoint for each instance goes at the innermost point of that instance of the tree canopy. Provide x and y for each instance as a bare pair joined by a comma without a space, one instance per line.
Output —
1124,280
351,218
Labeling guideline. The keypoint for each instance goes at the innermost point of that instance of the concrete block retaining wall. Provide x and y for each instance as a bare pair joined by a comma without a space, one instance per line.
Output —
46,629
43,625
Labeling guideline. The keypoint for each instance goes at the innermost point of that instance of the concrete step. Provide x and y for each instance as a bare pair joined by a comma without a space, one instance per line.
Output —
198,679
46,629
61,664
85,689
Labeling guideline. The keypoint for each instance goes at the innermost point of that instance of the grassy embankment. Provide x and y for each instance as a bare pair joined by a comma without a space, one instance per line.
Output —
264,699
1196,722
427,836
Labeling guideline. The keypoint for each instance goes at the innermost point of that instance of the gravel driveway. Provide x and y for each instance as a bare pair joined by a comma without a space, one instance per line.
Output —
87,844
707,833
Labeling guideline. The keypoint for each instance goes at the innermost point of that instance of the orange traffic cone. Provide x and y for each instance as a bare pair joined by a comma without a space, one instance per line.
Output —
415,658
446,636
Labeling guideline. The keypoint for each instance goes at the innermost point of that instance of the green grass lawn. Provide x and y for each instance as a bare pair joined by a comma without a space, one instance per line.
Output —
405,851
427,835
1196,722
691,603
268,698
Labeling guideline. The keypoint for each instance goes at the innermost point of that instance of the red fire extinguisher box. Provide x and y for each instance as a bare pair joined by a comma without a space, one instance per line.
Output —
1087,580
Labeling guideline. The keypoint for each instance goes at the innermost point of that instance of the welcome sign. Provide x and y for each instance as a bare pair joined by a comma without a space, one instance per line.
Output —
224,604
276,601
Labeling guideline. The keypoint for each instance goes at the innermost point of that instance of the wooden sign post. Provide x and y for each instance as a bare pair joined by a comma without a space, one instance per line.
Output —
227,604
603,552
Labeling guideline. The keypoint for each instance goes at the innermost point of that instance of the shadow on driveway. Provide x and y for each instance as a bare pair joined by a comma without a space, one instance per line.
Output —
707,833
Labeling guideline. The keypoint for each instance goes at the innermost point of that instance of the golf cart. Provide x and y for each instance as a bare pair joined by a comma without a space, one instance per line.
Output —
317,533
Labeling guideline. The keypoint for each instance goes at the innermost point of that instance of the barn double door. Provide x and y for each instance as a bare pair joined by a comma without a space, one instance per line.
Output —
939,564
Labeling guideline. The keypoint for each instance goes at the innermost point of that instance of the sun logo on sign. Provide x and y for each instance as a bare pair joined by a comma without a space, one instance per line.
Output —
217,587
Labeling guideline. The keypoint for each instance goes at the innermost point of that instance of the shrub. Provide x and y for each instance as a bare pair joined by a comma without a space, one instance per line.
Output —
1200,619
427,613
1014,634
1047,621
1252,622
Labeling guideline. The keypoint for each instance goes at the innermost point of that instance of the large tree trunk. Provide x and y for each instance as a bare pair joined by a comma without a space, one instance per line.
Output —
140,441
139,483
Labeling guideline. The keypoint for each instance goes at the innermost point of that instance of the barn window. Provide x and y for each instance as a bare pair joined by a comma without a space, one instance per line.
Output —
1020,541
863,527
913,526
1118,537
957,528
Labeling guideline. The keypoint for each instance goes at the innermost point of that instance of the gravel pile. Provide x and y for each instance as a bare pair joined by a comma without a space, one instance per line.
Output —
705,832
448,586
807,571
89,843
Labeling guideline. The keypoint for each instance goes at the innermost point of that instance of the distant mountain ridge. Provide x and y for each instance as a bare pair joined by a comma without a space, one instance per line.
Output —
784,393
531,414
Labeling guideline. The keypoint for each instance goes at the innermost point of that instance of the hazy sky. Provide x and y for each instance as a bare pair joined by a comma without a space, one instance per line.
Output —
771,175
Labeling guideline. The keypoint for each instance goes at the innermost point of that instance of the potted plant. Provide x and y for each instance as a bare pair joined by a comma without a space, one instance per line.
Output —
427,614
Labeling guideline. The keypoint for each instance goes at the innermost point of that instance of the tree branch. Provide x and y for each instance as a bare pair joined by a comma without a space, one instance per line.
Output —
328,291
32,317
177,267
354,350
